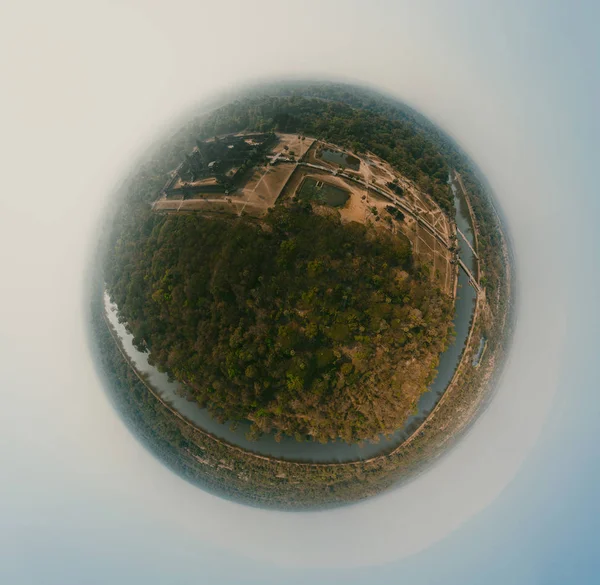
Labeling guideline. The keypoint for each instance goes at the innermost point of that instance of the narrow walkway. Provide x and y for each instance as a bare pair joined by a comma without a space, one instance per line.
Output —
472,280
467,242
396,200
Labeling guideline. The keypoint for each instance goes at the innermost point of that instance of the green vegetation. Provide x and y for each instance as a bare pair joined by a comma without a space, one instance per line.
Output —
359,130
360,120
301,324
261,481
351,117
395,212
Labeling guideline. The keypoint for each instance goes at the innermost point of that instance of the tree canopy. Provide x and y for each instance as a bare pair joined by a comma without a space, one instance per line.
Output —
297,322
398,141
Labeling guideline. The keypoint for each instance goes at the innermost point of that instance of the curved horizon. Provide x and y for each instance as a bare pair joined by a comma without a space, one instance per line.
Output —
516,85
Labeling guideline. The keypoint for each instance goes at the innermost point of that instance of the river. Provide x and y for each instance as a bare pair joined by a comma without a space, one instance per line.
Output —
289,448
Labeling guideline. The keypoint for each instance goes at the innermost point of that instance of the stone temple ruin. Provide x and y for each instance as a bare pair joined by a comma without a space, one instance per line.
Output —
217,165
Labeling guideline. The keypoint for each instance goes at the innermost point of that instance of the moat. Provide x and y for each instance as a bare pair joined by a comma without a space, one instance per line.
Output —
288,447
341,291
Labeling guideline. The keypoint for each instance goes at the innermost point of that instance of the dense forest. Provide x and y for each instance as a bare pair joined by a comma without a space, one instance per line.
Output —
361,119
433,140
303,325
359,130
158,266
238,473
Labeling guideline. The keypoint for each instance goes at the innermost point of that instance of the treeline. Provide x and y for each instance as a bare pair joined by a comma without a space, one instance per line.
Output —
303,325
135,222
387,108
237,474
395,140
408,140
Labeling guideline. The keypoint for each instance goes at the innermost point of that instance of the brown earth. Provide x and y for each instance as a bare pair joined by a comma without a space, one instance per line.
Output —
369,197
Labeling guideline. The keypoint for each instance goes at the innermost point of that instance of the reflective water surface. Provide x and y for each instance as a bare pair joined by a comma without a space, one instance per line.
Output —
288,447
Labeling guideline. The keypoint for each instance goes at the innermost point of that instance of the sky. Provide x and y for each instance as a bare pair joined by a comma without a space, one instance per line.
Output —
88,85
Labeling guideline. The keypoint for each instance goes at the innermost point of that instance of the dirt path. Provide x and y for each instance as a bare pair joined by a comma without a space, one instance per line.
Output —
251,194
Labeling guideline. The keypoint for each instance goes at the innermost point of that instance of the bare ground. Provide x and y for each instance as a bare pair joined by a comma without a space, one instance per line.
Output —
280,181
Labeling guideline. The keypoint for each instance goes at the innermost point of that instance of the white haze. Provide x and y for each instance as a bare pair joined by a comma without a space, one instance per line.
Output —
85,87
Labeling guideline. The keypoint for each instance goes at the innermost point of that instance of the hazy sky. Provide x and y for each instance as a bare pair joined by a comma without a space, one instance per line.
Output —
86,85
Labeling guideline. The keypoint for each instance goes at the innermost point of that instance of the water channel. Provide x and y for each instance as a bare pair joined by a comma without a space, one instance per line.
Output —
288,447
